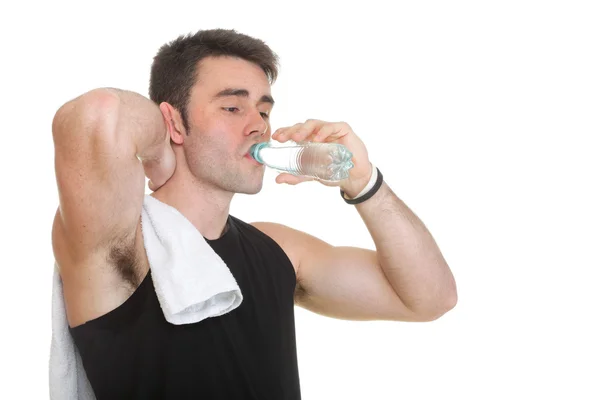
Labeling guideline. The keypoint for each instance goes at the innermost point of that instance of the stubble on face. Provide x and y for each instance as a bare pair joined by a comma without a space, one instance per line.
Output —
217,141
212,163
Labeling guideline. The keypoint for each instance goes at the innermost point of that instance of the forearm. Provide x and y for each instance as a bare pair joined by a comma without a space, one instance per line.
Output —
408,254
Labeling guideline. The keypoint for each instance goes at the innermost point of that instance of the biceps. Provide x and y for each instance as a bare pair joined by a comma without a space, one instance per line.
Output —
347,283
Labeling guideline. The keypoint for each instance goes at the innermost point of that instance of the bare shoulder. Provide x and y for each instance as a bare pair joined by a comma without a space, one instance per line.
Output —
295,243
282,235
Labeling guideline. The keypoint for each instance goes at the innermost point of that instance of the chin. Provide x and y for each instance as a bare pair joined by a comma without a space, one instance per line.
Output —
251,189
252,184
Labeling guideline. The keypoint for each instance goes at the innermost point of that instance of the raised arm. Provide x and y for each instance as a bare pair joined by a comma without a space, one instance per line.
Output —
99,139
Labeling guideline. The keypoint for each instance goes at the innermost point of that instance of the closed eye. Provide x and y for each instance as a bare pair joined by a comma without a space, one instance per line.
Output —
235,109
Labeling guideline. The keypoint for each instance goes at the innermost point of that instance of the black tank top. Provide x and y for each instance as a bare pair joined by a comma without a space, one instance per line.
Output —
132,352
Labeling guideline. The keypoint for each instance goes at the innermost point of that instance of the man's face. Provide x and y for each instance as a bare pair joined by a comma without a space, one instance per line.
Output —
227,113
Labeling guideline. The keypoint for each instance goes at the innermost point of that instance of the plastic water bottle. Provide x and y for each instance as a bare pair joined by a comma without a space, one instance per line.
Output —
326,161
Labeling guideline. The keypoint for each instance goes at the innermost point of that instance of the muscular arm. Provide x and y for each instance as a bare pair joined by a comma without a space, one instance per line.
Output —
406,279
408,256
98,138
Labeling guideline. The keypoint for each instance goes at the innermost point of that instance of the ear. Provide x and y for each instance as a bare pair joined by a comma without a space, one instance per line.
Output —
173,121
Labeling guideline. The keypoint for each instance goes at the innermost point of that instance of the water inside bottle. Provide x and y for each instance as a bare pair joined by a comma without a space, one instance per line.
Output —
281,158
326,161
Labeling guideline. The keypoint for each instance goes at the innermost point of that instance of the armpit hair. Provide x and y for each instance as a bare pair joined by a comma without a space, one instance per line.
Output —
123,258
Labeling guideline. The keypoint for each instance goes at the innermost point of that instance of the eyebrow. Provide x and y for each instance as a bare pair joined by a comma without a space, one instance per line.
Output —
243,93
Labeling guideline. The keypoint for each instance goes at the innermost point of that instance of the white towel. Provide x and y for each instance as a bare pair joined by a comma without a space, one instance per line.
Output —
192,283
68,380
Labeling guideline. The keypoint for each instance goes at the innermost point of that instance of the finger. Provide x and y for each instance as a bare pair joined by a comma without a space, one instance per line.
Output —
292,179
299,132
310,138
325,132
331,132
282,134
306,130
277,134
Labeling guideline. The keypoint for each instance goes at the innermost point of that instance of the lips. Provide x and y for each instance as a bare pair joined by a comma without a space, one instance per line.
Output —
250,147
252,160
247,152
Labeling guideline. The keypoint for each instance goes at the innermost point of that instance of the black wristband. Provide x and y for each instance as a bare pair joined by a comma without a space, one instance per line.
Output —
367,195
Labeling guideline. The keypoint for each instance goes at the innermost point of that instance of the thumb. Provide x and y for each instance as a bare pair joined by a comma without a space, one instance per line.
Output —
292,179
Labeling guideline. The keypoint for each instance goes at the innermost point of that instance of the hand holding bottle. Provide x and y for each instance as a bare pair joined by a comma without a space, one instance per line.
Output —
329,132
324,161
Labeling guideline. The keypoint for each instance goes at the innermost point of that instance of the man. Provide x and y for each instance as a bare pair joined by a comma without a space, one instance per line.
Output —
211,101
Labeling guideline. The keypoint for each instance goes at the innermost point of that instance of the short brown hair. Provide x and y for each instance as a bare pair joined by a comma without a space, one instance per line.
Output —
174,69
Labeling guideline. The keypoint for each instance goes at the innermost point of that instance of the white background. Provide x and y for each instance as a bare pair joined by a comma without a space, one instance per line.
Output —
483,117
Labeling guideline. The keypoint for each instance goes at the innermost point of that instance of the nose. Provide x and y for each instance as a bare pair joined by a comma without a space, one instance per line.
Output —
258,124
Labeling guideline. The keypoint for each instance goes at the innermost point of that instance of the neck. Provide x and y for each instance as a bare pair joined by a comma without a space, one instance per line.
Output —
204,205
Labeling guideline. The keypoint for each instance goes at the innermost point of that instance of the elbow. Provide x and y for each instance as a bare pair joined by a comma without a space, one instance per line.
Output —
447,305
445,301
437,308
449,298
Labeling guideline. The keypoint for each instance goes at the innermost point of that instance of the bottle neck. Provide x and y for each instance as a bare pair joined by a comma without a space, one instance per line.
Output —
255,151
